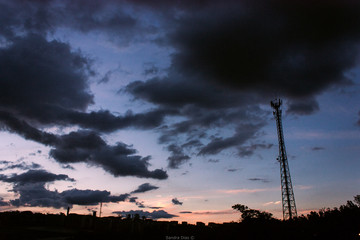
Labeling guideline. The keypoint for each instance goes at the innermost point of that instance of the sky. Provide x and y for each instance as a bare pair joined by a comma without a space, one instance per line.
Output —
163,107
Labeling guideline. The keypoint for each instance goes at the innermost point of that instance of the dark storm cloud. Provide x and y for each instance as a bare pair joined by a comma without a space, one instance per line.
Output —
153,215
199,121
204,106
88,147
44,17
145,188
303,107
119,159
38,73
242,53
36,195
47,82
179,93
105,121
177,157
91,197
34,176
226,60
30,186
175,201
243,133
95,16
296,48
21,16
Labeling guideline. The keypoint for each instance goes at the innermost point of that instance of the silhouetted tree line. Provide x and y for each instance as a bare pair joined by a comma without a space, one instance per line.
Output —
337,223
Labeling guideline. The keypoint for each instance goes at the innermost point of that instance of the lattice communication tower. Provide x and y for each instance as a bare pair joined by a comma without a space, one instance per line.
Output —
287,193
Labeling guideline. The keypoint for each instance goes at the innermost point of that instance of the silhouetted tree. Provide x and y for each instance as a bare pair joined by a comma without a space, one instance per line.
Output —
248,214
357,200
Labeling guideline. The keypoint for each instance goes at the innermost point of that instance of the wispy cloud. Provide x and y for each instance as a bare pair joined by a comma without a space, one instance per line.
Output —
272,203
303,187
215,212
246,190
324,135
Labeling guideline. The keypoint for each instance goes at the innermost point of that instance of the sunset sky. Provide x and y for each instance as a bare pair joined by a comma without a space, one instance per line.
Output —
163,107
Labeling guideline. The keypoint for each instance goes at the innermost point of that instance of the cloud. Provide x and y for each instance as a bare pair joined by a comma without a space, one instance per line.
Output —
303,107
242,53
119,159
272,203
34,70
179,93
40,17
91,197
259,179
46,84
203,106
156,214
154,207
243,133
317,148
184,212
246,151
36,195
175,201
177,157
58,92
3,203
34,176
18,165
219,212
30,186
150,69
145,188
269,45
140,204
232,169
303,187
245,190
104,121
88,147
226,61
213,160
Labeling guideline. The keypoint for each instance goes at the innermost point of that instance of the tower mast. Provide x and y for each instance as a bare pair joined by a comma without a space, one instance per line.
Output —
287,194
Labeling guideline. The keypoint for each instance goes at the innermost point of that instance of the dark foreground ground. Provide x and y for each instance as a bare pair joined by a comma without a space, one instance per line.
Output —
325,224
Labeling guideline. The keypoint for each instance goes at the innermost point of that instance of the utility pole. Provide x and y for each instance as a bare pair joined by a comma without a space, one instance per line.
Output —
100,209
287,194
